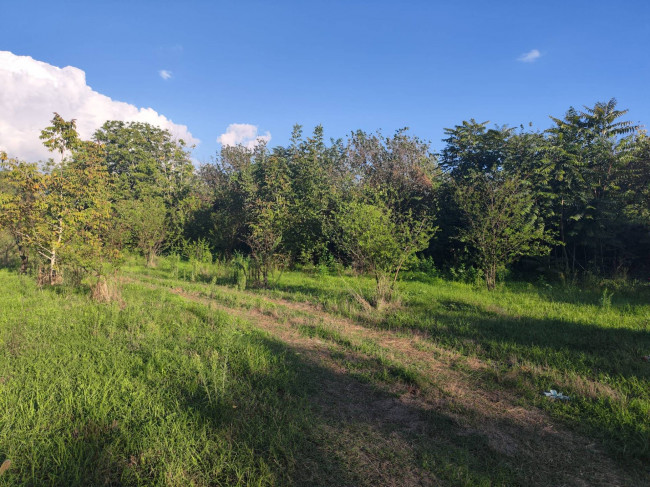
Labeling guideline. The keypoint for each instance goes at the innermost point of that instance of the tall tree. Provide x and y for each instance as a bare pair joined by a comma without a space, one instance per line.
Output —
316,183
587,151
21,203
266,189
90,247
473,148
48,236
400,168
147,162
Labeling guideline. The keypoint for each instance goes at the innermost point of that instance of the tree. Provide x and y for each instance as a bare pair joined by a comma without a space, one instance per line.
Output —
500,221
472,148
317,179
61,136
147,162
63,214
90,248
400,169
223,215
20,203
144,220
265,205
588,150
47,236
379,242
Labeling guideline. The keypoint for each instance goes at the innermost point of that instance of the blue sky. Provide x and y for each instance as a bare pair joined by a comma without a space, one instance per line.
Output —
345,64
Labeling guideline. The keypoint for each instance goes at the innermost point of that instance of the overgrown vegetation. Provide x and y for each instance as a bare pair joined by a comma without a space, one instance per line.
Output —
304,314
177,384
569,202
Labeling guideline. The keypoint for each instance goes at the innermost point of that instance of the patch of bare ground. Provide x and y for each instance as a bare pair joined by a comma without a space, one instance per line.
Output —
380,432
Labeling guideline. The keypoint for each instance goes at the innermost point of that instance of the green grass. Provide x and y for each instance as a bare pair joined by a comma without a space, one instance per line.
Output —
163,390
587,341
536,337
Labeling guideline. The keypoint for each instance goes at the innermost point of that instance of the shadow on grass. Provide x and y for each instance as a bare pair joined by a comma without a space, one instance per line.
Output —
323,427
621,298
555,342
295,422
612,351
80,456
339,294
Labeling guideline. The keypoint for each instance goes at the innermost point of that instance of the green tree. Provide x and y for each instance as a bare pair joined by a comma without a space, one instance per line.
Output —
51,232
316,183
20,203
473,148
222,218
500,221
144,223
61,136
400,169
90,248
588,152
62,214
380,242
147,162
265,204
470,148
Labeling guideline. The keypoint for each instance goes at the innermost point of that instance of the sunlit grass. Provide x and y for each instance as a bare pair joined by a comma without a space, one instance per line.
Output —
163,388
162,391
533,338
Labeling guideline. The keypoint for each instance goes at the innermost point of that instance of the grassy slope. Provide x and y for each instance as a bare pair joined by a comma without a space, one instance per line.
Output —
169,391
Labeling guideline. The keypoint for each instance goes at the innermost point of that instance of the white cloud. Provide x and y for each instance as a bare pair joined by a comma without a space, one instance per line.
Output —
164,74
530,56
244,134
32,90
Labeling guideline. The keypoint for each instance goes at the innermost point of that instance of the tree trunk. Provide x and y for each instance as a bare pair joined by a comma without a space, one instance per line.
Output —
151,258
491,276
52,277
24,259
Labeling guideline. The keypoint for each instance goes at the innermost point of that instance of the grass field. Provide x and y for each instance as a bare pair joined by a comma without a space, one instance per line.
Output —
188,381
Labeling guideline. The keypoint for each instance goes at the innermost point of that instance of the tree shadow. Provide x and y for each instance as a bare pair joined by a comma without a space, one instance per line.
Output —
297,422
356,433
80,456
556,342
619,298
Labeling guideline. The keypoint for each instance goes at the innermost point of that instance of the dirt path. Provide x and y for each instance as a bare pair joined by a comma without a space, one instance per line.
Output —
405,421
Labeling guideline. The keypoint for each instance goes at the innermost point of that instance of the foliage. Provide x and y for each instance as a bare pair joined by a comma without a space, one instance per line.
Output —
240,265
501,223
584,181
380,244
198,251
148,164
20,200
63,214
144,221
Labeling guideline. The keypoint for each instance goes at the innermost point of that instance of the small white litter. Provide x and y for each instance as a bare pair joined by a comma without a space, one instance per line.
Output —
553,394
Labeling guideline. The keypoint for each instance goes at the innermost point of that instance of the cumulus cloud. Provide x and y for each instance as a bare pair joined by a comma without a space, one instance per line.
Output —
530,56
244,134
32,90
164,74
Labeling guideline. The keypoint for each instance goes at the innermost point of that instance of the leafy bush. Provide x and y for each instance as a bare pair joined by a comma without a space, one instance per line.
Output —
240,264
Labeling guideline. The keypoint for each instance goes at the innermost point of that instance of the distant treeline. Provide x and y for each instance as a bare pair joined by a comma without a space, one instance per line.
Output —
569,201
